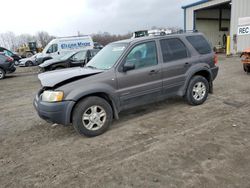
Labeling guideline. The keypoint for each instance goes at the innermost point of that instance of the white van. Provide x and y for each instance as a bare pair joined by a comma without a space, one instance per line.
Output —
61,46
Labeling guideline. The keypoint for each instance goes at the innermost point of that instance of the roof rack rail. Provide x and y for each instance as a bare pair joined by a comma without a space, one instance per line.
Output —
73,36
185,31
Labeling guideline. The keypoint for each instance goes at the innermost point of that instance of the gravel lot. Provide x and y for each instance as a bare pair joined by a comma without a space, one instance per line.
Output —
168,144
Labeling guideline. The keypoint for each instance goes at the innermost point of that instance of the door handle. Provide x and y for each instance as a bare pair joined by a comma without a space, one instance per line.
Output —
153,72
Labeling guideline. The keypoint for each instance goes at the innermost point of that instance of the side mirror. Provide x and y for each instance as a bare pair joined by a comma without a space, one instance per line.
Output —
128,66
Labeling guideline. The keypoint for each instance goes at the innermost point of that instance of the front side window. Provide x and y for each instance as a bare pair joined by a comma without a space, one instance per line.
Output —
142,55
79,56
173,49
52,49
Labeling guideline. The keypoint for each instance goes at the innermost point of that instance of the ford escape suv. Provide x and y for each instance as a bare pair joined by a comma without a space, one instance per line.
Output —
126,74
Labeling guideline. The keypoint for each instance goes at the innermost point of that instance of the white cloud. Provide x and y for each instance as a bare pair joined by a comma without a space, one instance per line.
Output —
66,17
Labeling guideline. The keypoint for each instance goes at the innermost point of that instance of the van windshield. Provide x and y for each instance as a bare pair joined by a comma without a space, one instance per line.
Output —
107,57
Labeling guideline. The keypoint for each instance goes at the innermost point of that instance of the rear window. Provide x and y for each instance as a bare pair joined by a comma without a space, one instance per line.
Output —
200,44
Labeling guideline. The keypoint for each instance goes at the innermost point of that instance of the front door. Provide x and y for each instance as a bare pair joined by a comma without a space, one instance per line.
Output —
142,84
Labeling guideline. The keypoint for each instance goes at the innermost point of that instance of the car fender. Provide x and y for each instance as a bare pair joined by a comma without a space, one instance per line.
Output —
191,72
95,89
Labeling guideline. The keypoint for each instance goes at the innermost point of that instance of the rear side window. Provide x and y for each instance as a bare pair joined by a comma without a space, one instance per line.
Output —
2,58
173,49
93,53
200,44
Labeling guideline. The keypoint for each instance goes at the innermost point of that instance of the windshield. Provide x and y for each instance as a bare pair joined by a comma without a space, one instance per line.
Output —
107,57
66,56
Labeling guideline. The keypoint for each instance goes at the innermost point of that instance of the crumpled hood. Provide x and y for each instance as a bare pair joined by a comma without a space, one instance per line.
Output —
32,58
57,77
50,62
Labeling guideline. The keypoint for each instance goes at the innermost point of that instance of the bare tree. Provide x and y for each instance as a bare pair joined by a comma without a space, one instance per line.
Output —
23,39
44,38
8,40
105,38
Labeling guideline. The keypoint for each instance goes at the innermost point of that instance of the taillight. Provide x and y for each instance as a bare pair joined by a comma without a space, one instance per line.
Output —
215,59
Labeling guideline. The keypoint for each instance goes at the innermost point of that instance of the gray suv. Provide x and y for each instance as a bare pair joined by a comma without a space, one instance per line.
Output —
126,74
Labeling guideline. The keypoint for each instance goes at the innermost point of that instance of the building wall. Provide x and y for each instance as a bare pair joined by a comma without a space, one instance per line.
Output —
190,11
211,29
240,8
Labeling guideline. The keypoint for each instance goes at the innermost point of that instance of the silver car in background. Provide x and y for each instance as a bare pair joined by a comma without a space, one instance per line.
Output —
28,62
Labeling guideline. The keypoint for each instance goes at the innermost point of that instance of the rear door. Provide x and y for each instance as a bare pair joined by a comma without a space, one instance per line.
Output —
175,63
143,84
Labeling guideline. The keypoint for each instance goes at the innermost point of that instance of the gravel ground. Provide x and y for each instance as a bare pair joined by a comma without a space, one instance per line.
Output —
167,144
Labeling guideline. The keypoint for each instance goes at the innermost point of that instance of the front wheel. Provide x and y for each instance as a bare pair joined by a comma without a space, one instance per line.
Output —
246,68
92,116
197,90
2,74
29,54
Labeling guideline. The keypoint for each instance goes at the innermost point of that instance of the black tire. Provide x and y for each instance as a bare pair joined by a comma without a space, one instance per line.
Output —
191,96
29,54
246,68
2,74
82,107
28,64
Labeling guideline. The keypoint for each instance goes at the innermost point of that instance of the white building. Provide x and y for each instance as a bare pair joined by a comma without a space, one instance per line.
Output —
219,18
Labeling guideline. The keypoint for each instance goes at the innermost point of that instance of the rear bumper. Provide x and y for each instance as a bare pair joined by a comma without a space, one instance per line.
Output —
11,69
214,71
58,112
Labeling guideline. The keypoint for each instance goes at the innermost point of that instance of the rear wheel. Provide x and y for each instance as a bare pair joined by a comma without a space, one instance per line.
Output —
92,116
197,90
246,68
2,74
28,64
29,54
